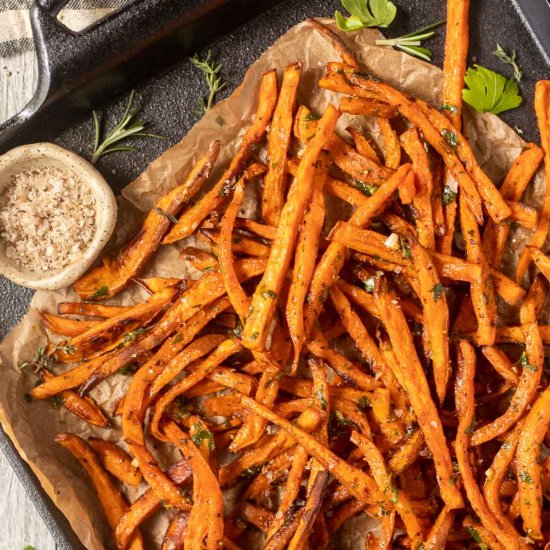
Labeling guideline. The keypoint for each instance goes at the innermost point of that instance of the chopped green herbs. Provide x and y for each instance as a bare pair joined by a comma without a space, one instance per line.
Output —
448,195
437,292
450,138
101,291
202,435
525,477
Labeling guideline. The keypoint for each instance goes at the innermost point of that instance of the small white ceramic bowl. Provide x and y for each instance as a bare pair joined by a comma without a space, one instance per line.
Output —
40,155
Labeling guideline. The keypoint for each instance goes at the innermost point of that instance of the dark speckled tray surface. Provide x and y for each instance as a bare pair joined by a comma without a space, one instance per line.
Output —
169,102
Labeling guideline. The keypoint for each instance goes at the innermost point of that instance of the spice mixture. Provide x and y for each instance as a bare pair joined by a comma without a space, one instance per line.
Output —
47,218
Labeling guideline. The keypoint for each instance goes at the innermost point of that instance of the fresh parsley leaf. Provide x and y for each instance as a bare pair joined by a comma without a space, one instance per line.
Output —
311,116
370,283
406,249
101,291
364,403
525,477
471,428
366,188
366,13
450,138
524,361
490,92
392,489
449,107
510,60
322,399
201,435
448,196
437,292
477,537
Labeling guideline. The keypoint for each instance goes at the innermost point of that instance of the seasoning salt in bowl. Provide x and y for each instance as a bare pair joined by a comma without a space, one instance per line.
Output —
57,213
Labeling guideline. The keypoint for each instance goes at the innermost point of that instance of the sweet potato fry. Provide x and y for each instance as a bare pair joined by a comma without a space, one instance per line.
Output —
83,407
482,293
90,310
529,470
384,480
366,107
305,258
113,503
526,390
116,461
345,53
541,261
205,291
363,145
114,275
533,303
479,533
542,110
435,314
222,352
103,335
500,362
357,482
262,230
332,261
63,326
464,396
278,143
439,532
407,453
422,201
175,534
266,295
391,144
416,387
206,517
495,476
191,219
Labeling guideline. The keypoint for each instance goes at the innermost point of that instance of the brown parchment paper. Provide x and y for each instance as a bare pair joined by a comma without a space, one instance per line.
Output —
33,426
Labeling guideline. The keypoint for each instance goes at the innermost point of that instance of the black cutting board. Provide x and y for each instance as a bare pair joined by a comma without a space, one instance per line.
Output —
169,103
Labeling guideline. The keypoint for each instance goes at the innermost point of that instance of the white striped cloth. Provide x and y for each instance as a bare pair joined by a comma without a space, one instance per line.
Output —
15,28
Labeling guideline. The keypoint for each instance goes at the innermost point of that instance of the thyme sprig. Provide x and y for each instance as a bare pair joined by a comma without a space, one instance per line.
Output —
211,71
127,127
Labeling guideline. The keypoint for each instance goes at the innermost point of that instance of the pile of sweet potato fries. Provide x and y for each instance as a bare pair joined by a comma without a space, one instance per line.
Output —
324,372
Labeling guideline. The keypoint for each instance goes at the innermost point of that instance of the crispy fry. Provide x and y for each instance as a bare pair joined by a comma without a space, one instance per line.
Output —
64,326
422,201
525,392
529,470
305,258
358,483
278,143
83,407
114,275
191,219
407,453
392,495
541,261
366,107
435,315
206,517
416,386
391,143
363,145
332,261
485,536
542,110
113,503
262,230
337,42
175,534
266,295
90,310
116,461
495,476
437,536
464,396
500,362
534,301
482,293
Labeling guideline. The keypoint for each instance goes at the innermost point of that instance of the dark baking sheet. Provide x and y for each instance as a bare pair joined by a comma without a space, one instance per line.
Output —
169,103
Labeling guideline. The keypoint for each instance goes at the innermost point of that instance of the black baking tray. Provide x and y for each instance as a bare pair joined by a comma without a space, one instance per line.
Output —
146,46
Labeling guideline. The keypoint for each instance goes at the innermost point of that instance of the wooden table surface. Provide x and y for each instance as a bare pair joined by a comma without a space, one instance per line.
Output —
20,523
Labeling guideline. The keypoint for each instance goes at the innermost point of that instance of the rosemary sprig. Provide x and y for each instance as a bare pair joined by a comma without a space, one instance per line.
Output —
412,43
211,72
127,127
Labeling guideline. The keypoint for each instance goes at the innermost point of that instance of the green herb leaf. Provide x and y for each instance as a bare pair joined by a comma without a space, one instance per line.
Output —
311,116
405,249
437,292
29,548
412,43
211,71
524,361
201,435
450,138
269,294
471,428
490,92
477,538
448,195
366,188
449,107
525,477
252,471
160,211
127,127
364,403
322,399
510,60
101,291
130,368
366,13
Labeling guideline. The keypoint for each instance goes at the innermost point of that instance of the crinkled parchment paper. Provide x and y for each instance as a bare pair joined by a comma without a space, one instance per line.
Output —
33,425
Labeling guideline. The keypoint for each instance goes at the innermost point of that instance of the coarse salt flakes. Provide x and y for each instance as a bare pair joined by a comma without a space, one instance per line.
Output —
47,218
